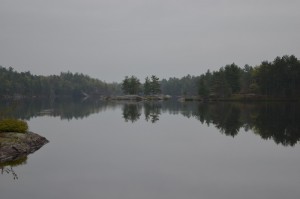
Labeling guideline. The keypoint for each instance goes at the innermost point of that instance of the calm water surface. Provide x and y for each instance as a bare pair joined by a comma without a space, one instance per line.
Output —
157,150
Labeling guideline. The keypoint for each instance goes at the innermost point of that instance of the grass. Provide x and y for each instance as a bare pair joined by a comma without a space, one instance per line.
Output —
13,125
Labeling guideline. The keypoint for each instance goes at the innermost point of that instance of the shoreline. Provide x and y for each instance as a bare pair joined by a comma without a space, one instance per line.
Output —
239,98
212,98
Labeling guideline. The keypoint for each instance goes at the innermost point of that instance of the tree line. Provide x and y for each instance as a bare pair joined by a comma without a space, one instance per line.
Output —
132,85
279,78
187,85
25,84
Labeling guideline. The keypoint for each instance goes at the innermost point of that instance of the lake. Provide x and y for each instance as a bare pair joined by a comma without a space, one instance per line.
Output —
155,150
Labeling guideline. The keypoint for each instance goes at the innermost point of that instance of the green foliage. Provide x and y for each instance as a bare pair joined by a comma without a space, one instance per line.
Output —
277,79
152,87
147,86
246,79
280,77
131,85
203,88
253,88
232,75
220,86
178,86
13,125
65,84
155,85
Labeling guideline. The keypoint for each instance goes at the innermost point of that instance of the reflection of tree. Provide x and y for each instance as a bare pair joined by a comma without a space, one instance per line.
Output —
7,167
229,121
65,108
225,117
131,112
277,121
152,111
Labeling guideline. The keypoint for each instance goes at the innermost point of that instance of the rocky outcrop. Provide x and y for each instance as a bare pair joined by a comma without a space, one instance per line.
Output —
16,145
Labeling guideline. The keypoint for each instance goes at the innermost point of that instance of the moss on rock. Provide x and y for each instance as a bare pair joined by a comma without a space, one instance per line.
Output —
13,125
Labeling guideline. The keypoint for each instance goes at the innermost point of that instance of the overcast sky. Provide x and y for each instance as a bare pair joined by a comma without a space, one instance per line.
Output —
109,39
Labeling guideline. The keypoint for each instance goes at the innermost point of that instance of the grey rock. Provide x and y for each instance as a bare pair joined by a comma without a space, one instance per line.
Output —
15,145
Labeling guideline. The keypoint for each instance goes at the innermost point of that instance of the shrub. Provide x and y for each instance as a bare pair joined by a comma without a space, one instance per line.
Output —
13,125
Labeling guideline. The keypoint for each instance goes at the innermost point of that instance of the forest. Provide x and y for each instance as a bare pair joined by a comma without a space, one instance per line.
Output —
279,79
25,84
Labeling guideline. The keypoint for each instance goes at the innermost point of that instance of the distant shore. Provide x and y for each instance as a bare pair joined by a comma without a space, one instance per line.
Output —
233,97
136,97
249,97
237,98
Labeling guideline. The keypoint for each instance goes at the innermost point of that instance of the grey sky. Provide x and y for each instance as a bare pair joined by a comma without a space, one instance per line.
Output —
109,39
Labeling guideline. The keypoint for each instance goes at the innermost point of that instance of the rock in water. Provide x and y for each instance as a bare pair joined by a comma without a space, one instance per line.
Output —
16,145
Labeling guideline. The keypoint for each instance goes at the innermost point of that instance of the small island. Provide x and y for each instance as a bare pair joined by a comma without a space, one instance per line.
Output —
16,141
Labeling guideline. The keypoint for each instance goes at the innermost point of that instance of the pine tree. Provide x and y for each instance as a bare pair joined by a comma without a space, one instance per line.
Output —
155,85
147,86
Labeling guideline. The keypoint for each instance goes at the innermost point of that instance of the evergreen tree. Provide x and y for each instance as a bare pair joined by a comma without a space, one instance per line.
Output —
246,79
203,90
147,86
125,85
220,85
131,85
155,85
232,75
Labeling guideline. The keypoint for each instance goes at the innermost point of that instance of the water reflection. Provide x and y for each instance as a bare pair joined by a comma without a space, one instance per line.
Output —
277,121
152,111
65,108
132,112
8,167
